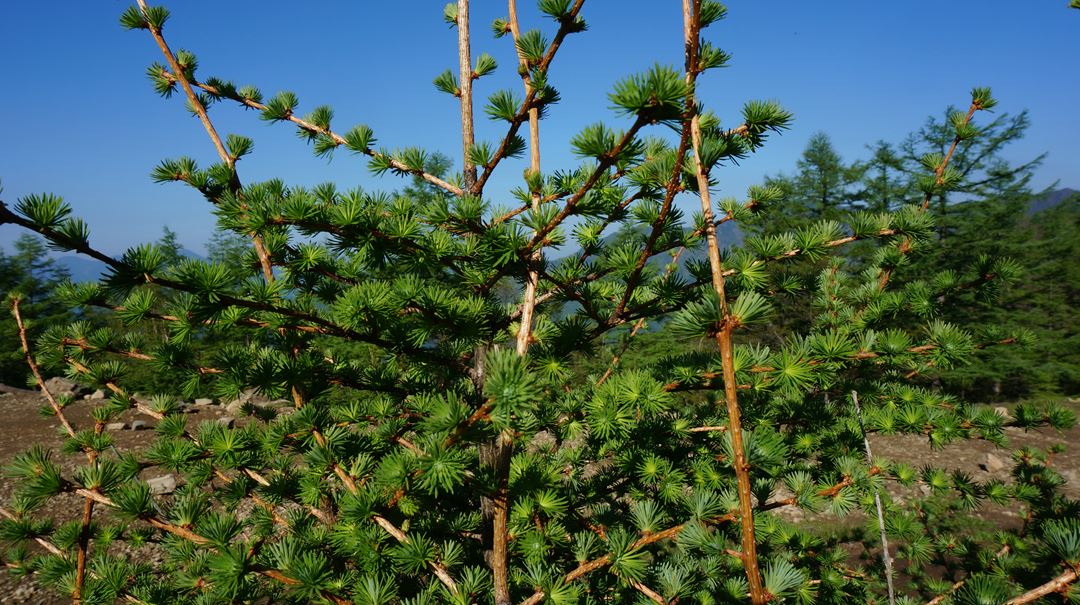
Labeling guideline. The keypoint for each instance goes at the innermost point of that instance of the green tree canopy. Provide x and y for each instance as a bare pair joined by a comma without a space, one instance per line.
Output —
31,273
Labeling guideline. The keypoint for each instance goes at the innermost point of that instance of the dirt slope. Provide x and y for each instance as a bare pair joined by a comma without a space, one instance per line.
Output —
22,426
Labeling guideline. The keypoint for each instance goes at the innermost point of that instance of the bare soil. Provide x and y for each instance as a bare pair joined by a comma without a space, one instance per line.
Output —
21,426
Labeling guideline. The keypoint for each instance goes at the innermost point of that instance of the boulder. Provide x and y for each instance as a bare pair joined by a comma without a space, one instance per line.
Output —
1003,412
226,422
993,464
204,401
62,386
98,394
116,426
139,425
236,406
162,485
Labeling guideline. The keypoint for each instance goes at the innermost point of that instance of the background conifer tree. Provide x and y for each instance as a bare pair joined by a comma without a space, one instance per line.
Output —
30,273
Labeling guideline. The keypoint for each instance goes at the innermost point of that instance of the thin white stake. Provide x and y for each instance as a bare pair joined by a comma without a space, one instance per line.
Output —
885,556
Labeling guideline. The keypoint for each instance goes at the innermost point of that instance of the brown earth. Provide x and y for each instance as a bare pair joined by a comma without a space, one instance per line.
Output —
21,426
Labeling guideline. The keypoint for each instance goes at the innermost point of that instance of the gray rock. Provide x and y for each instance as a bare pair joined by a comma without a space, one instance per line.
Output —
236,406
116,426
204,401
993,464
544,441
227,422
62,386
162,485
98,394
139,425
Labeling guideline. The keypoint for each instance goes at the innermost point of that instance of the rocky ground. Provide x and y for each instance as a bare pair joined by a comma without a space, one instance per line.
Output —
22,426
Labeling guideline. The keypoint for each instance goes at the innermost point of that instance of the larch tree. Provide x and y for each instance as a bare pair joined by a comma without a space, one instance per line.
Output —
441,447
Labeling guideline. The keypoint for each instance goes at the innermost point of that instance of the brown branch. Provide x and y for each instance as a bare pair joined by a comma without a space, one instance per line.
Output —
350,484
438,568
649,593
528,305
83,547
460,430
94,496
939,172
83,345
941,597
327,327
49,546
827,492
200,110
36,371
602,561
638,325
857,356
465,92
1058,584
557,196
117,389
288,581
658,224
316,129
193,99
611,218
565,26
758,594
197,539
599,274
83,544
604,164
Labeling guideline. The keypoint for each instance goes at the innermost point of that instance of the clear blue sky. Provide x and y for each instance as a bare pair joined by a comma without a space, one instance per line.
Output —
81,120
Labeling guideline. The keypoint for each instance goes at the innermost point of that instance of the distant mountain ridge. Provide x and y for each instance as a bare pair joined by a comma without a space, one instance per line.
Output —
1051,199
83,268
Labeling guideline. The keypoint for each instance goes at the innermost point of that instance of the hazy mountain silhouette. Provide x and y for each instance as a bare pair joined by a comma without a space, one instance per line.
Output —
83,268
1051,199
